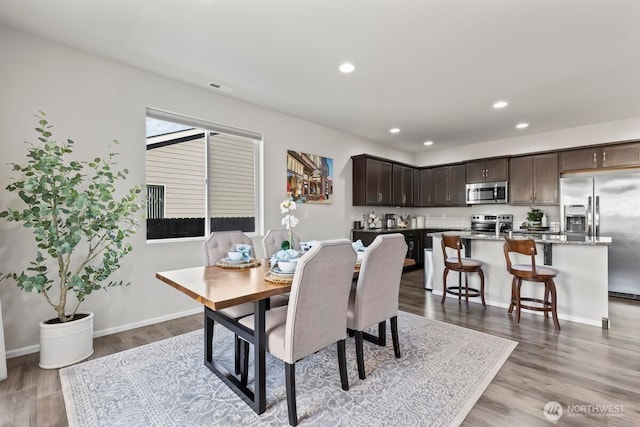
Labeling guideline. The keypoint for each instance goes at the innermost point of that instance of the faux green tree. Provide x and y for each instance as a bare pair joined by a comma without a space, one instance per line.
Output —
79,225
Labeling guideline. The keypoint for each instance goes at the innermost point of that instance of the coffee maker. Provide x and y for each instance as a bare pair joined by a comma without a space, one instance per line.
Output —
389,221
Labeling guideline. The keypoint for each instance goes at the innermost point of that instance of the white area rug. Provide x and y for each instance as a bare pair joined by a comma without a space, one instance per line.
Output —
443,371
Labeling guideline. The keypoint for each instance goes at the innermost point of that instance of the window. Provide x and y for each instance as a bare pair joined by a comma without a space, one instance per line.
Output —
201,177
155,201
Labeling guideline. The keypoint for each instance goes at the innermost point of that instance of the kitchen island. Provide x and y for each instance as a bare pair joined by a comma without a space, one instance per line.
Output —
582,284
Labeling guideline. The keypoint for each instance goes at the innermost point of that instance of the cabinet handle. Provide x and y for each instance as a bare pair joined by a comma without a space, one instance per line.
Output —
594,159
535,197
411,245
404,199
530,195
604,157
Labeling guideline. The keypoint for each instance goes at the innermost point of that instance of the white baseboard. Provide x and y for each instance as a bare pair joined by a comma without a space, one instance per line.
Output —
36,348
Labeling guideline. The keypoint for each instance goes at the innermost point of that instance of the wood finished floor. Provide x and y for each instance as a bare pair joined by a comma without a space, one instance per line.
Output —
579,365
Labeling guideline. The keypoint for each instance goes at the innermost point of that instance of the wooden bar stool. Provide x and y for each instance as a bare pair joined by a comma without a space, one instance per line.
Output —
532,273
461,265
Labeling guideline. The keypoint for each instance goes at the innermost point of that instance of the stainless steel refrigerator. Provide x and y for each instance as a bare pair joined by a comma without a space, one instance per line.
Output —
611,202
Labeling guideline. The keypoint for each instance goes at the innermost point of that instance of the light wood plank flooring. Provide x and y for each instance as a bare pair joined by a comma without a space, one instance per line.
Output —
580,365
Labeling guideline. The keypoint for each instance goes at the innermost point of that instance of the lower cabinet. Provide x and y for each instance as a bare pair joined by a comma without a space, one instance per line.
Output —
415,246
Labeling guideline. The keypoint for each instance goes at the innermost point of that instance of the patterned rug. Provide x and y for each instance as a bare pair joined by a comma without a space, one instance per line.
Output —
443,371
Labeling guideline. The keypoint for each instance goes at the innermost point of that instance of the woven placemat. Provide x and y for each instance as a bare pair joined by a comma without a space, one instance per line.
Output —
252,263
270,276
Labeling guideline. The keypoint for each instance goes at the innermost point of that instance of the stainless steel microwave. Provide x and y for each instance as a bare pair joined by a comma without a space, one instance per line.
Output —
487,193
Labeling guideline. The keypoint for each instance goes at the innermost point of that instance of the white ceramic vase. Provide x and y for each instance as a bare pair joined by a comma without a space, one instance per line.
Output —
63,344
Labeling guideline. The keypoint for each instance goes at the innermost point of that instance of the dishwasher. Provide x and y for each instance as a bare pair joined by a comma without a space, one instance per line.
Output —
428,263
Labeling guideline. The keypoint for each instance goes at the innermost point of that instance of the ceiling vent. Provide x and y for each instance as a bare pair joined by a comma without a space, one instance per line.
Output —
219,87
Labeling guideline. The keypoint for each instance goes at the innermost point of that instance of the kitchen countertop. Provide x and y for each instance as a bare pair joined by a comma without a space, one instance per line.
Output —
563,239
400,229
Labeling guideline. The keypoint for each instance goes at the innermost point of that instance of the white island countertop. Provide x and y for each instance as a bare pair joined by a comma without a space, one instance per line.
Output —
582,283
564,239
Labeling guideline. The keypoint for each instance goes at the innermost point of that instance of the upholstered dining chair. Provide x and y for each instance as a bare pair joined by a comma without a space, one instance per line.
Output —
323,274
272,241
215,248
375,296
220,242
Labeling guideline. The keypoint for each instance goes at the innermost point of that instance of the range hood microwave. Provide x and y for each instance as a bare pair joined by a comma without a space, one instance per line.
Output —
490,193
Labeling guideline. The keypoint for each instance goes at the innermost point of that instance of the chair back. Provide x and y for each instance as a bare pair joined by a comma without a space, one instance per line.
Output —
452,242
378,287
523,247
272,241
220,242
317,312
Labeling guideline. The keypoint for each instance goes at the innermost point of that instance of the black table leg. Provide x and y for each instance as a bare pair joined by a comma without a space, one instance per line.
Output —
256,399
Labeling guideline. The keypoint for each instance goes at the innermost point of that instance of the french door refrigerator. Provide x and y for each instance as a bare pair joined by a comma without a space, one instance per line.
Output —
612,202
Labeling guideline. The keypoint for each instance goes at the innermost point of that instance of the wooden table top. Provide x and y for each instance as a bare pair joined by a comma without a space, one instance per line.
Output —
218,287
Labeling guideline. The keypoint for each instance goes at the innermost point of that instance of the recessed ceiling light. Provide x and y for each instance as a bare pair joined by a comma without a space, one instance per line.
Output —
522,125
394,130
428,143
347,68
500,104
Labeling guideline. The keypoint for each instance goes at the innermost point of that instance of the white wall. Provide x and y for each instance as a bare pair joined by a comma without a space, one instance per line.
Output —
93,101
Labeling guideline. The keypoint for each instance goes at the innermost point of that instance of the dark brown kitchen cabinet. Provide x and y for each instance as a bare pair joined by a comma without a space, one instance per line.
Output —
534,180
413,238
372,181
415,248
608,156
487,170
426,187
449,186
403,181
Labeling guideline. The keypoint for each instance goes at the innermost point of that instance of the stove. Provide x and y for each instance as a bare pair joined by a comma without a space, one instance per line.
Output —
486,223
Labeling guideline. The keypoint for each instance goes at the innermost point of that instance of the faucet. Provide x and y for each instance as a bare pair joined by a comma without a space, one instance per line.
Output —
498,226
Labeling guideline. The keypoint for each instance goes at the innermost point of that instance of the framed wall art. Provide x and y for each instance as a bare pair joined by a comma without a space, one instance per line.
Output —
309,178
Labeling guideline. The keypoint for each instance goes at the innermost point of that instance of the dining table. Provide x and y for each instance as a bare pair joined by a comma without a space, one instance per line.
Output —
216,288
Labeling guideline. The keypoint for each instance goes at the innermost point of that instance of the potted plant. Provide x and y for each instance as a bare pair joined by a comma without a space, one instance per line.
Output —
80,228
534,216
289,220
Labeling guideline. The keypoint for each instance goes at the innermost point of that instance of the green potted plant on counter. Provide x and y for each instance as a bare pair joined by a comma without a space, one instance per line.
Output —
534,217
80,228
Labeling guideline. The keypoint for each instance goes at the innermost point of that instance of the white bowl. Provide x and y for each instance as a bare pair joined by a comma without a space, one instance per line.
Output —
287,266
234,256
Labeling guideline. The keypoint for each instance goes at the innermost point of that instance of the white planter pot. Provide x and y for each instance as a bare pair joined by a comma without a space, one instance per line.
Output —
63,344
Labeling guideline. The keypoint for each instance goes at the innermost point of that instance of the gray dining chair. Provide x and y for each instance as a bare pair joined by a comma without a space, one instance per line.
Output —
220,242
272,241
305,326
215,248
375,296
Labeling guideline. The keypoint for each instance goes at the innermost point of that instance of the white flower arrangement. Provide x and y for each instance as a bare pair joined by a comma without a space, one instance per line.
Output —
289,220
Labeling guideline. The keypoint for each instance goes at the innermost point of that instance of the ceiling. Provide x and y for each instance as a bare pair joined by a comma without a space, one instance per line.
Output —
432,68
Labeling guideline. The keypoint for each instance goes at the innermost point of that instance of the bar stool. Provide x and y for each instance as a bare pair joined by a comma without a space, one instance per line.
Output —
532,273
461,265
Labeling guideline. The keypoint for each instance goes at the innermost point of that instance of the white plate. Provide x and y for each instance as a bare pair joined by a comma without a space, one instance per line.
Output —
234,262
278,271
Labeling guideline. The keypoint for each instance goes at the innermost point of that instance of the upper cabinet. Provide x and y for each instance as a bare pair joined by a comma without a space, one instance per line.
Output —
426,187
488,170
448,186
403,185
372,181
534,180
608,156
